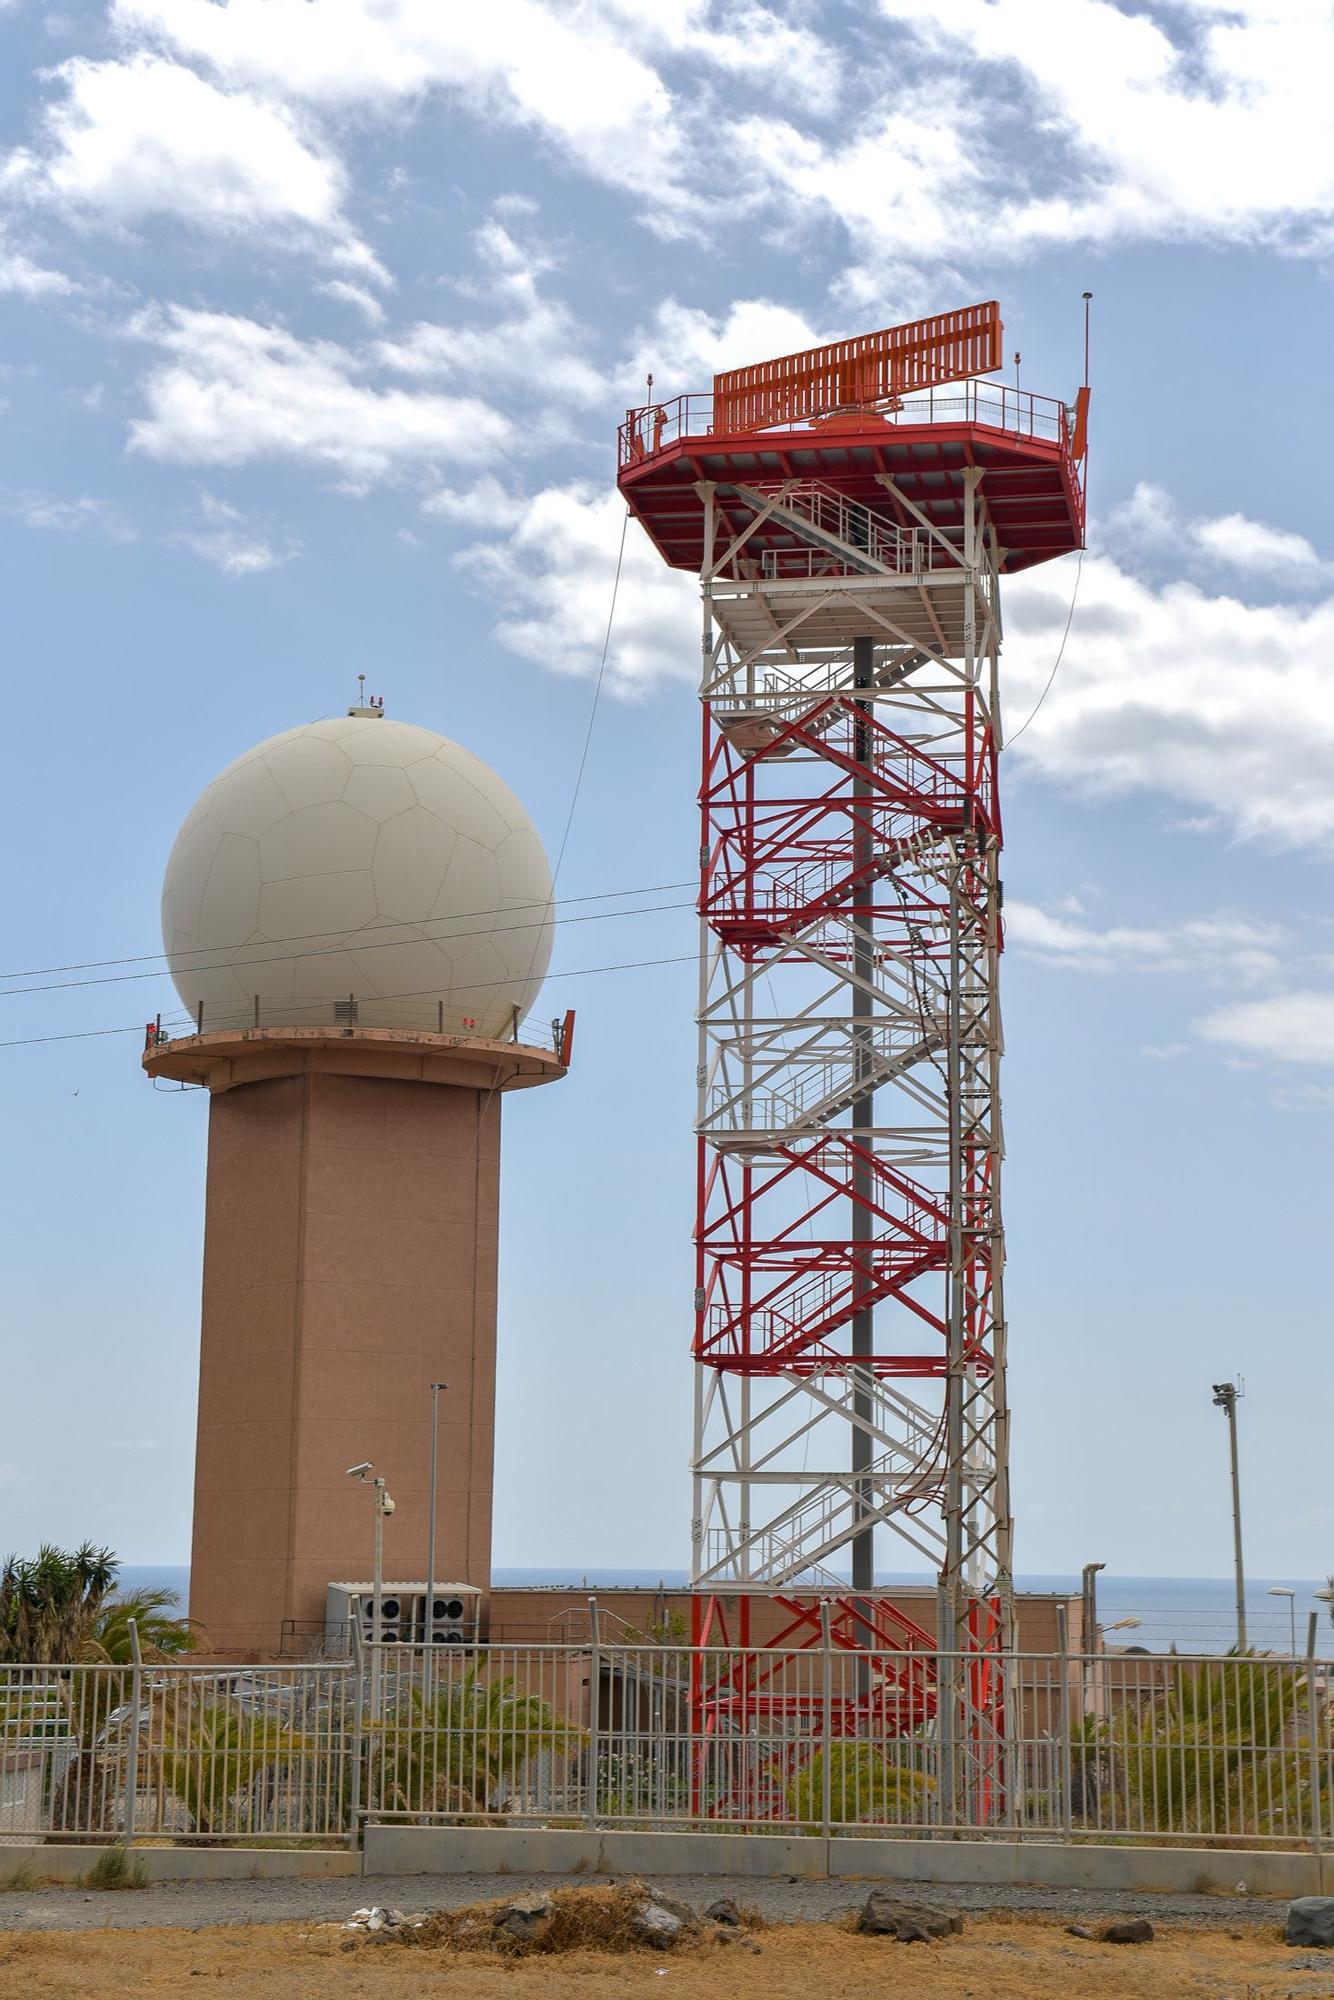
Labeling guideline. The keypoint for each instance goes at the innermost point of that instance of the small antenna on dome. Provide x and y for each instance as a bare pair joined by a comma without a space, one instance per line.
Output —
365,704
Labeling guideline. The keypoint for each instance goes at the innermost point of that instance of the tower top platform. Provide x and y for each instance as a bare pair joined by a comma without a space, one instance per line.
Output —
906,459
889,423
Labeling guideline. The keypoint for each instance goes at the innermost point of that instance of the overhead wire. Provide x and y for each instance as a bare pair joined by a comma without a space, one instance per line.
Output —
1010,741
304,937
340,950
485,1104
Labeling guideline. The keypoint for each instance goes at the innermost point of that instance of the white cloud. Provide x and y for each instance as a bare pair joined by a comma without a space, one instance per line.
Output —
357,296
20,275
50,511
557,568
1286,1027
11,1478
230,390
685,347
1253,545
133,1444
1215,947
226,537
534,345
1152,526
1218,129
567,74
146,138
1219,704
1096,124
484,504
740,38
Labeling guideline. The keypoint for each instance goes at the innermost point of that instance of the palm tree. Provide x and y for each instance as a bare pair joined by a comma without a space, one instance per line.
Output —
163,1633
1207,1755
456,1752
62,1607
48,1604
213,1755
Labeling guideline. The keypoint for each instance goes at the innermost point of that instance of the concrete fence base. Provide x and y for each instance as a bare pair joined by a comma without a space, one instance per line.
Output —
422,1850
524,1851
58,1863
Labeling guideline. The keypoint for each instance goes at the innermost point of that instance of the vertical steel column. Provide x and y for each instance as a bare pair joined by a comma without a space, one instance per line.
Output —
863,1121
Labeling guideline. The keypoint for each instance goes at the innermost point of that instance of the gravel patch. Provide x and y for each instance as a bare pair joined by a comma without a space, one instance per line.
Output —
193,1905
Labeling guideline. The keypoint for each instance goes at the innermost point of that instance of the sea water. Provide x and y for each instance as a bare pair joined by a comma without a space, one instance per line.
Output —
1196,1614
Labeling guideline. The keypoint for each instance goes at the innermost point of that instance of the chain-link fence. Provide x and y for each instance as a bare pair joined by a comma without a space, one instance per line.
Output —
1203,1751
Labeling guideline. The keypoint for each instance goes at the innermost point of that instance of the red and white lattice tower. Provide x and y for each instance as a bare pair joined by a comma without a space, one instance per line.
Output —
850,512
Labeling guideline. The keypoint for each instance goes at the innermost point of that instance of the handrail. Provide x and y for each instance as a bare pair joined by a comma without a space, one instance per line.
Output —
1017,412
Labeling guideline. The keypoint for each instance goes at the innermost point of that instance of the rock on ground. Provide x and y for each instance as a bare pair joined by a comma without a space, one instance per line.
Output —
1130,1930
884,1915
656,1925
526,1919
1310,1921
724,1911
682,1911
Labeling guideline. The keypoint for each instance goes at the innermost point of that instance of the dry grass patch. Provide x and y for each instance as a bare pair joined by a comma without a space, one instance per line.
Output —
992,1960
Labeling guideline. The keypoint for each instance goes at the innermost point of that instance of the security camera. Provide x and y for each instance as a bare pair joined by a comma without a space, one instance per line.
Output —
359,1471
386,1505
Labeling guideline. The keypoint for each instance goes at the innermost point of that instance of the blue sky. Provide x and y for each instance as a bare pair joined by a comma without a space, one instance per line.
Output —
318,317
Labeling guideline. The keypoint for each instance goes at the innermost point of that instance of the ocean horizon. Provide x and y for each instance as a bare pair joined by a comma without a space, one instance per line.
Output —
1192,1613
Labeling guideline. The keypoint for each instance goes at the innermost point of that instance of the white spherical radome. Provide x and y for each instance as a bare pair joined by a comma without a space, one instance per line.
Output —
365,859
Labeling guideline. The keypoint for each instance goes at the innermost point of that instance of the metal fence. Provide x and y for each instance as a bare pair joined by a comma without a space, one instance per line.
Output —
1201,1751
197,1754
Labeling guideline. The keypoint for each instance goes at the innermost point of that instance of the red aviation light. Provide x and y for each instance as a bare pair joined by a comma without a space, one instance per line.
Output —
849,374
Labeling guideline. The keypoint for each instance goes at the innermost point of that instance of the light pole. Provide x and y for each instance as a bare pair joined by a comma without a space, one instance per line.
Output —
383,1505
1089,1584
1281,1590
428,1622
1226,1395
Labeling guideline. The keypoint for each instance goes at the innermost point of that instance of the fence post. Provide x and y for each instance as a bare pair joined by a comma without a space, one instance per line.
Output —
358,1734
594,1711
1313,1753
132,1760
826,1721
1063,1649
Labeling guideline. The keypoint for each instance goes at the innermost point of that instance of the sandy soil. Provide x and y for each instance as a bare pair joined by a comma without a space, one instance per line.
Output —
998,1958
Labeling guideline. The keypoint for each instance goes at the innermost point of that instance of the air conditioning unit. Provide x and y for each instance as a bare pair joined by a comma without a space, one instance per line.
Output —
409,1615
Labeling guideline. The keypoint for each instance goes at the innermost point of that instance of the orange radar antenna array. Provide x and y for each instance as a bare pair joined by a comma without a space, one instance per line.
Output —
849,374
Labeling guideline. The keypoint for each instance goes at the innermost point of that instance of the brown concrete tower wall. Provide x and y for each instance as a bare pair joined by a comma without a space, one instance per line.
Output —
350,1259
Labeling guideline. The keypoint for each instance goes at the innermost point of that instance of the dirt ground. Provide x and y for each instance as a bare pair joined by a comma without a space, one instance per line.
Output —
1001,1957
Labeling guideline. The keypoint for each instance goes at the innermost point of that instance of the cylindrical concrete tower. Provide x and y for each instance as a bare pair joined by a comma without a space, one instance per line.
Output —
357,915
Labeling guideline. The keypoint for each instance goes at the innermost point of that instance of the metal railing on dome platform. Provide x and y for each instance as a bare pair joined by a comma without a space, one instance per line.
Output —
533,1031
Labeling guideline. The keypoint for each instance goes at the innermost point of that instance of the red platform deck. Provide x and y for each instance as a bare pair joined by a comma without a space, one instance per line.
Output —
1023,444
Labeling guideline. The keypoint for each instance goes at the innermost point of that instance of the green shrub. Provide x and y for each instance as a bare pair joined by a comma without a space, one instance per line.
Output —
115,1868
867,1786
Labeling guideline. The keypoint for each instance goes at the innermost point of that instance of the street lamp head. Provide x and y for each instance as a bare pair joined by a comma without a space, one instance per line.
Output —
1280,1590
1126,1625
360,1471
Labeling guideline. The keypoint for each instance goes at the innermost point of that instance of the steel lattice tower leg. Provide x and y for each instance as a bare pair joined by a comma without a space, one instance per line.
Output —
850,1333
